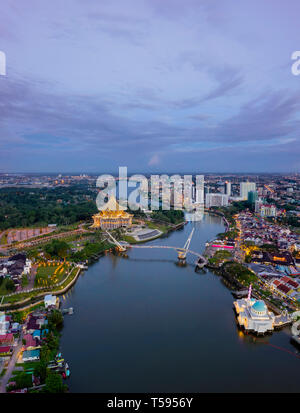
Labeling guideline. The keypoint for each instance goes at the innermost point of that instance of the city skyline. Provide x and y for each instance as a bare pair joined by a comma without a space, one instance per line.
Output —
155,86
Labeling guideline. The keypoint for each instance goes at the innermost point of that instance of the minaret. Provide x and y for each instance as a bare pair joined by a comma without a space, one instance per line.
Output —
249,292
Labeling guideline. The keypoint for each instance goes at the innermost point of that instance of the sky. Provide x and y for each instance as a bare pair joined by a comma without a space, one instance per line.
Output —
154,85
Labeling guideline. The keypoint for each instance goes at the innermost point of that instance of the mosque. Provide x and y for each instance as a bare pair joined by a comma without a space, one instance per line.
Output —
254,316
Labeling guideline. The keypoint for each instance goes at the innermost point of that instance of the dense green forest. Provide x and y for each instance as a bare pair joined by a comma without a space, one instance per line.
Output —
22,207
27,207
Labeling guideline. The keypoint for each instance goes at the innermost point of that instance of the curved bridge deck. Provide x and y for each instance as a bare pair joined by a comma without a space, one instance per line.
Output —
178,249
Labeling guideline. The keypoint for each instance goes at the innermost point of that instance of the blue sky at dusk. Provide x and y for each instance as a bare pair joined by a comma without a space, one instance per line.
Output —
155,85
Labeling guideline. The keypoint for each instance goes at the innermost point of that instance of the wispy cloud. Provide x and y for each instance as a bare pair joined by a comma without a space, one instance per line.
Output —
129,82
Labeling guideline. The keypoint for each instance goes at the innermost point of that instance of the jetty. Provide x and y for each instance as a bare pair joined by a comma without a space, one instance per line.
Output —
240,294
68,310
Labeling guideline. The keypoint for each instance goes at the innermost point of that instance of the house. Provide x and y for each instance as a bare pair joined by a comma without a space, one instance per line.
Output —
45,332
30,342
15,327
36,334
32,324
293,284
50,301
5,351
6,339
4,323
31,355
40,322
285,289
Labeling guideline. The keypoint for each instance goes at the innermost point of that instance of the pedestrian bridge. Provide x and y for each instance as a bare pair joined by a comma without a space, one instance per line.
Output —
181,252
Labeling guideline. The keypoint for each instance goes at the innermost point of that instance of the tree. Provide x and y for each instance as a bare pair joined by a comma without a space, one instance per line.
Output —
40,370
54,384
10,285
45,354
57,248
23,380
56,319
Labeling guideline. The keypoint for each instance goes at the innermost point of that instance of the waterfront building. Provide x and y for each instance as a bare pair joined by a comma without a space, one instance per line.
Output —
253,315
216,200
31,355
51,301
245,188
112,217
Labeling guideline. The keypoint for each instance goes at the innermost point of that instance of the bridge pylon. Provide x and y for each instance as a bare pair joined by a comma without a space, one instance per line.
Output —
181,252
118,245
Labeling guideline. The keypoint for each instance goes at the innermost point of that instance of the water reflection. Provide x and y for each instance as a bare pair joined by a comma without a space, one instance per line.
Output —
145,324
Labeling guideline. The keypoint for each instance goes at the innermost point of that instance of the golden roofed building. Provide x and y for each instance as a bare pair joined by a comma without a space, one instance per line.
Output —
112,217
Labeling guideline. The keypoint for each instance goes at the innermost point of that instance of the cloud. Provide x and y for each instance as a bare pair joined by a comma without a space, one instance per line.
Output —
101,83
154,160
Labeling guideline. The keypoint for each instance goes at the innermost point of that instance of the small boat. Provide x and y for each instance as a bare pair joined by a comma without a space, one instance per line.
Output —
68,373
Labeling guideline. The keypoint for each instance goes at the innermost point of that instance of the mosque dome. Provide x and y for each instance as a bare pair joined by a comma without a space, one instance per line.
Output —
259,307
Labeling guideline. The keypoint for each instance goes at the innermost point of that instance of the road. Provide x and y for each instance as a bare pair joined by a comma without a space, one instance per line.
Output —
11,366
44,239
31,278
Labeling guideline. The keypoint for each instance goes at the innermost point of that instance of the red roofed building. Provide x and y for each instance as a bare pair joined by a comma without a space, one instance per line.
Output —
285,289
293,283
5,350
6,339
30,341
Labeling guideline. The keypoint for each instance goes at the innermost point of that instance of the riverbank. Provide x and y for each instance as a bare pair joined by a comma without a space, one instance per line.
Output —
33,300
239,277
145,310
220,214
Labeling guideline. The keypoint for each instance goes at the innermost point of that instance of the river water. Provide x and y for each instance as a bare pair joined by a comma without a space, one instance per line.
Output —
144,324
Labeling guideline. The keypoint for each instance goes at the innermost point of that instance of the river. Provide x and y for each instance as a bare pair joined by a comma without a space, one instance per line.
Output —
144,324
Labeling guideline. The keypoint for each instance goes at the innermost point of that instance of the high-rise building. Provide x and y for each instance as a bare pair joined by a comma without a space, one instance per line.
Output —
252,197
258,203
200,189
245,188
216,200
228,188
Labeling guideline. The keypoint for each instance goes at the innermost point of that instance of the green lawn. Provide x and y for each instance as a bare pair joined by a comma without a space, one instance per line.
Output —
160,227
3,239
50,275
21,296
219,257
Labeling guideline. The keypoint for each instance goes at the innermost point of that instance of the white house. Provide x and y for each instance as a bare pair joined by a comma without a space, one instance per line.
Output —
50,300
